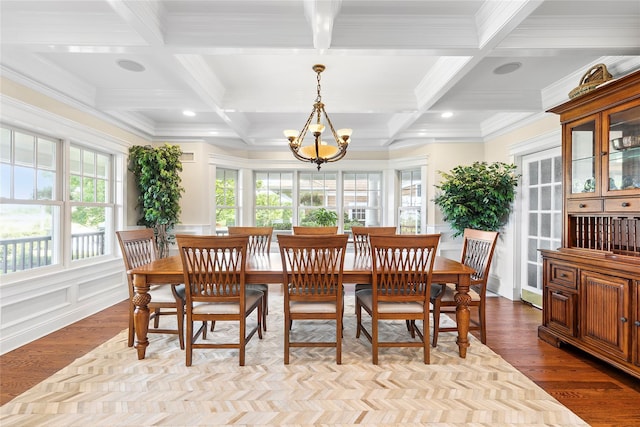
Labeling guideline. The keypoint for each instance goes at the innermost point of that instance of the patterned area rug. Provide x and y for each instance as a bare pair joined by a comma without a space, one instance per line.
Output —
110,387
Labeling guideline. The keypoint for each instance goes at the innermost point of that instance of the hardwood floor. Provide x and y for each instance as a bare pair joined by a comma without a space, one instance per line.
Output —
599,394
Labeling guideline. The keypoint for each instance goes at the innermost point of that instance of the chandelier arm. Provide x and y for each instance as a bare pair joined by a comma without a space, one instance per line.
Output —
305,128
333,131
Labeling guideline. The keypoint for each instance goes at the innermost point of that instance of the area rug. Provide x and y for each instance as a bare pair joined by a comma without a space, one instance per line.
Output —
110,387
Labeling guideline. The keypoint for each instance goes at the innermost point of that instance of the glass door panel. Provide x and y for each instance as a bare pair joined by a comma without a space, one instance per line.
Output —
623,166
583,156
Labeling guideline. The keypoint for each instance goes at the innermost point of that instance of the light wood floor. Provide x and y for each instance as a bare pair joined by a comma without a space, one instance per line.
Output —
599,394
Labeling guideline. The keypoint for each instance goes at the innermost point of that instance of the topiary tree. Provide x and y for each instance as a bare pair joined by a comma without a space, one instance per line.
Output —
479,196
156,170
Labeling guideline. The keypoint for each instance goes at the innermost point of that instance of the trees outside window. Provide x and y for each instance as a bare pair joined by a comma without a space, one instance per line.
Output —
226,198
274,200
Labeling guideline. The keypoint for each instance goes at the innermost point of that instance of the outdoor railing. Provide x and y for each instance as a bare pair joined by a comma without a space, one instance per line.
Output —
31,252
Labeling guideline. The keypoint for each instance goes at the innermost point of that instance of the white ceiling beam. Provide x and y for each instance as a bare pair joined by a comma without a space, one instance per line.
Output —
494,21
199,76
321,15
145,17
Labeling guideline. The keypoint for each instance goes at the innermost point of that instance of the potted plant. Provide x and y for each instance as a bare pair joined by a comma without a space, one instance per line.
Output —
478,196
156,170
320,217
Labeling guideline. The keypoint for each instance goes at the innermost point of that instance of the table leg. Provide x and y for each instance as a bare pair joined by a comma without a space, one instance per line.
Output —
141,314
463,314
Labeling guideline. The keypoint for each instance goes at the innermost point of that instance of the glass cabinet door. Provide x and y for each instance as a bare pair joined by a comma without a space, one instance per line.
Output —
622,168
583,158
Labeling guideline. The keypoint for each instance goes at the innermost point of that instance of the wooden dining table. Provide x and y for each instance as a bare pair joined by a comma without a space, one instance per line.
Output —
267,268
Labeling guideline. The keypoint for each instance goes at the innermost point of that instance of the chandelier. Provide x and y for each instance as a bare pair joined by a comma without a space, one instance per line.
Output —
318,151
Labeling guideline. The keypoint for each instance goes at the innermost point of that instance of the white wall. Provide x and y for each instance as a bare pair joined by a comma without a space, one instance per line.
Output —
38,302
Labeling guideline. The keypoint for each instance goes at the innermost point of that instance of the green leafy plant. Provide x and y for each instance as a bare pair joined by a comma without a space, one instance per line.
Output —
479,196
320,217
156,170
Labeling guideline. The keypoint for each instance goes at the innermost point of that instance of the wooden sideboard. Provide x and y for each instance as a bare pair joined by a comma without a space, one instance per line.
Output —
591,285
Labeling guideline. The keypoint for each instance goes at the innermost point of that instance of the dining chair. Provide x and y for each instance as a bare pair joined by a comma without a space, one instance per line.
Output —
138,247
313,231
362,246
312,278
477,252
214,275
259,244
402,267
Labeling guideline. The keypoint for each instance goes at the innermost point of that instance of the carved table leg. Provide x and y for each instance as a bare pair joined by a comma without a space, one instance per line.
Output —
141,314
463,314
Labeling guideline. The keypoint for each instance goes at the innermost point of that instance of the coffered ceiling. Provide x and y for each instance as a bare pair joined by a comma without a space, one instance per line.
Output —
244,67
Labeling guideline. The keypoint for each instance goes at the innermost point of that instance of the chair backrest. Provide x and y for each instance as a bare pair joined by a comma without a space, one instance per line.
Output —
138,248
312,268
361,235
313,231
402,266
477,253
259,238
214,267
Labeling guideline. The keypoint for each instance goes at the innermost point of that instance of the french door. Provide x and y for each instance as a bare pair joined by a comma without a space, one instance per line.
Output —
542,217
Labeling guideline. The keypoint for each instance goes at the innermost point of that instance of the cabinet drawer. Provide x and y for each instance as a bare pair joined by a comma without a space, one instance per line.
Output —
629,204
579,206
563,275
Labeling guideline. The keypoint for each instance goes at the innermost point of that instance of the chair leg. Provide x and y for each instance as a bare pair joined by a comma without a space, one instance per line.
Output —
189,343
265,309
374,340
436,321
180,314
425,336
243,337
132,329
339,339
287,332
358,318
483,324
261,317
156,319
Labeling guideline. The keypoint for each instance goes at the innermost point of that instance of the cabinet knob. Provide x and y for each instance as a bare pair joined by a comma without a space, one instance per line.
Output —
625,204
623,319
637,323
582,205
603,153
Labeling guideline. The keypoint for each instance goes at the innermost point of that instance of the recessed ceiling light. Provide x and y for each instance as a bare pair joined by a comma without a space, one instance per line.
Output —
131,65
446,114
507,68
188,113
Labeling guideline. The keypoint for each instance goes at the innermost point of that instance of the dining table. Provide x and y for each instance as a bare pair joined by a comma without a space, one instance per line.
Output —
267,268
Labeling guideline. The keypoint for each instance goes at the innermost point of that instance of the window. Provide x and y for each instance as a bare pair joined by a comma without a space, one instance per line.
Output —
274,200
226,199
362,197
410,191
90,197
30,209
33,211
316,190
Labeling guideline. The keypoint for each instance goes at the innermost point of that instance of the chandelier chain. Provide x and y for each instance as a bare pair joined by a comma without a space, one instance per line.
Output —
318,97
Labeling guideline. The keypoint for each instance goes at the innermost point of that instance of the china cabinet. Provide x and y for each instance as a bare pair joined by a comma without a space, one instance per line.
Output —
591,285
